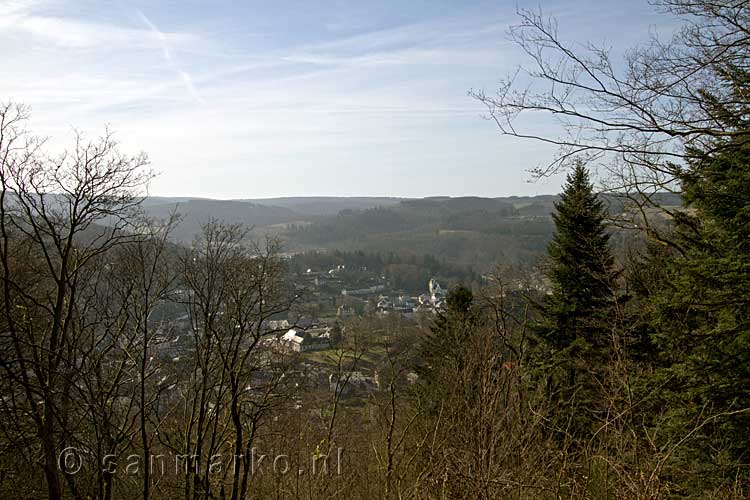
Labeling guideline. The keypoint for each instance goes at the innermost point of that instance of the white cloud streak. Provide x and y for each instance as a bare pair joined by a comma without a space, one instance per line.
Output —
167,55
383,111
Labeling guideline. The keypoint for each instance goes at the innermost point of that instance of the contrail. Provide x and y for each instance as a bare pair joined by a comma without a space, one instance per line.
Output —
167,55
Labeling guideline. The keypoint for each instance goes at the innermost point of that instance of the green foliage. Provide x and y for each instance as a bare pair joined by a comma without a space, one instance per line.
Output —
703,316
472,232
443,345
574,330
580,269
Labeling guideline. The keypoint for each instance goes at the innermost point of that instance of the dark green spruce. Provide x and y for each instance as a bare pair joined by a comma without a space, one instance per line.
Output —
702,322
575,329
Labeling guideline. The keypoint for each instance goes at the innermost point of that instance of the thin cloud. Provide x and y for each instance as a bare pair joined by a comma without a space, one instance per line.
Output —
382,98
68,32
167,55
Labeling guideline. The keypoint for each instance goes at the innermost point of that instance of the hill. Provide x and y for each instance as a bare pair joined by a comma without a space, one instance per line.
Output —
326,205
469,231
196,212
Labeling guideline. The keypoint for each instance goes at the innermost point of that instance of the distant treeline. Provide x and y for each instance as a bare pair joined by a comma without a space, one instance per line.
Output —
471,232
477,233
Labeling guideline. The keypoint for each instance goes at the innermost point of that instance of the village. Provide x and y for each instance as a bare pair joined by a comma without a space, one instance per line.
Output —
311,338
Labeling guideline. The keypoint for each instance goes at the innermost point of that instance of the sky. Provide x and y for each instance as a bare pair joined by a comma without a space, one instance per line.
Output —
293,98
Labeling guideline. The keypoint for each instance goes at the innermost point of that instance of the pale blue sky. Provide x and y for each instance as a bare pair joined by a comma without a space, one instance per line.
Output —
258,99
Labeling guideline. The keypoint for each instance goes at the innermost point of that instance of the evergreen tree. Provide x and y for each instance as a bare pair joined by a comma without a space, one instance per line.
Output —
703,321
447,330
443,345
580,269
574,330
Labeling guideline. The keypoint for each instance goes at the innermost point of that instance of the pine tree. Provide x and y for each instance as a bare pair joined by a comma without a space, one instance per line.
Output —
703,320
443,346
574,330
581,266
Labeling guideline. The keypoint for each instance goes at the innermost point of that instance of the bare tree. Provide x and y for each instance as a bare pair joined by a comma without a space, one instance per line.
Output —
641,117
232,289
146,274
65,211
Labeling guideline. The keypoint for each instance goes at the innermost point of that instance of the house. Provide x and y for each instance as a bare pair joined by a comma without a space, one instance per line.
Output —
314,339
278,324
345,311
437,293
384,304
350,382
404,305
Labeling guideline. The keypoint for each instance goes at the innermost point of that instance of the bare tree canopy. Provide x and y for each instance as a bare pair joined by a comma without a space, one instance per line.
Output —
644,115
53,211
